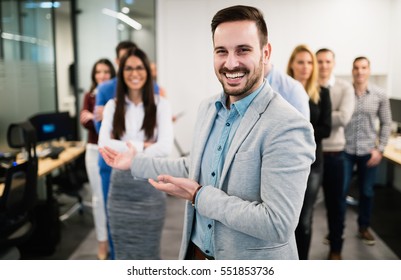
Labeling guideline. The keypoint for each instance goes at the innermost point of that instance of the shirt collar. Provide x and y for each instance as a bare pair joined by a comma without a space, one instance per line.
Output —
331,81
368,88
241,105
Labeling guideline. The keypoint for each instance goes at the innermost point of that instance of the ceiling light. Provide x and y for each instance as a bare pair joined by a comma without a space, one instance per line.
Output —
125,10
124,18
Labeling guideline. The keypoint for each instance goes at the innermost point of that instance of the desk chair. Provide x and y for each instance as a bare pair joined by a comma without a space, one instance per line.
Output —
52,126
19,194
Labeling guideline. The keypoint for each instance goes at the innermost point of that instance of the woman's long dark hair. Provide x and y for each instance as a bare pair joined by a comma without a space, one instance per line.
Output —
93,78
148,98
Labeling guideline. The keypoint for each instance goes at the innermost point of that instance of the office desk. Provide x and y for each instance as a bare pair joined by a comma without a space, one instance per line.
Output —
394,156
73,150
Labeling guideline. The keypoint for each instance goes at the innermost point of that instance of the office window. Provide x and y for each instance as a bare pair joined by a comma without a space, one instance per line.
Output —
27,68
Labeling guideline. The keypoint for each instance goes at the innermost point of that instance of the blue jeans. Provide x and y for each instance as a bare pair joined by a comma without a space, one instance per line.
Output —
105,173
333,189
366,179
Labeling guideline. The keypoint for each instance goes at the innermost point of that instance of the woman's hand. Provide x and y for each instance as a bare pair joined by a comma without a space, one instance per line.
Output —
147,144
85,116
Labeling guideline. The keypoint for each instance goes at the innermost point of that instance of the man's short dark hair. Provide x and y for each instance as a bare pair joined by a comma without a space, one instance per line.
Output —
324,50
239,13
124,45
361,58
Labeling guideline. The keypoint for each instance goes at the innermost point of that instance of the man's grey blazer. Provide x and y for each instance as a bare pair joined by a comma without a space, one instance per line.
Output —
257,203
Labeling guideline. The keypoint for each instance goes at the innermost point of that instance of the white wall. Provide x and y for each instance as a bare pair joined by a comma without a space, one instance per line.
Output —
349,27
395,47
97,38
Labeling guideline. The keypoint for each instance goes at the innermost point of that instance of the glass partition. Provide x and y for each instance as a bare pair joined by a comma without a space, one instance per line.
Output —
27,67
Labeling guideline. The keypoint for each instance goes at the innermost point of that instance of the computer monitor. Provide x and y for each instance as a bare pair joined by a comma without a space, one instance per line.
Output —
395,105
52,126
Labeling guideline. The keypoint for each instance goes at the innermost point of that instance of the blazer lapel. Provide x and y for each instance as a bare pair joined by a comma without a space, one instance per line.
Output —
251,117
206,120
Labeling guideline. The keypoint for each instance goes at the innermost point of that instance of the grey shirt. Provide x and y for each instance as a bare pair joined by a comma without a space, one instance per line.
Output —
342,107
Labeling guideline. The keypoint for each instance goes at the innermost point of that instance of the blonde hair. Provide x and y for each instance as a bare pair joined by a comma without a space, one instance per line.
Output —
312,86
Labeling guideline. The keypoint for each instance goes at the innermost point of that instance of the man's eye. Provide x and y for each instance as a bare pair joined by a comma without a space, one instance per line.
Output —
244,50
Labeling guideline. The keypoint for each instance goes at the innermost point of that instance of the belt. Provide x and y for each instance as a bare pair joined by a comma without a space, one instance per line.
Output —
332,153
197,254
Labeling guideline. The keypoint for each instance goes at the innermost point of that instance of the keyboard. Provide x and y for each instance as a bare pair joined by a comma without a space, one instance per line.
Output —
55,151
51,152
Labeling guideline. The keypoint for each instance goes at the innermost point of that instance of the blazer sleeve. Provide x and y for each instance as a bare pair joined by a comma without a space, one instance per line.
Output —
144,166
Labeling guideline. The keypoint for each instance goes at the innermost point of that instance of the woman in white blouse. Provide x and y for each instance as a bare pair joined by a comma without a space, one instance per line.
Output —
136,210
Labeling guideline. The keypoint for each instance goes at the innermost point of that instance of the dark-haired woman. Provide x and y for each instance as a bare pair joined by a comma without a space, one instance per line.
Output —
136,209
102,71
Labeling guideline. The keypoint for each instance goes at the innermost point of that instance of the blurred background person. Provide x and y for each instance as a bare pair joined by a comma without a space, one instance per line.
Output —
364,143
102,71
342,107
290,89
107,91
158,89
144,120
302,66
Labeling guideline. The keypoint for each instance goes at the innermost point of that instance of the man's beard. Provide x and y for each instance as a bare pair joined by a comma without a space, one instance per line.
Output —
249,84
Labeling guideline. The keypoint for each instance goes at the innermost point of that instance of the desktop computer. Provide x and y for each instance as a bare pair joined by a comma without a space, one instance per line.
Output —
395,105
52,126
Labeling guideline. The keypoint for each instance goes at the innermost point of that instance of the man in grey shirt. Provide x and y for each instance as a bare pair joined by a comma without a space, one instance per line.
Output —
342,103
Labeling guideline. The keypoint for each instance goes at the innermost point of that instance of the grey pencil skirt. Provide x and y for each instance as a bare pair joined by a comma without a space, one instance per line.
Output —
136,212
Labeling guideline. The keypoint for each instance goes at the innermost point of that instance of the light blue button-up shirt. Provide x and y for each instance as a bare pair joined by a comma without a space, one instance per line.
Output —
219,141
290,89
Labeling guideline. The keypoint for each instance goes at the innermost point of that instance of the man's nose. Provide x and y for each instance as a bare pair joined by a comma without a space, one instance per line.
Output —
231,61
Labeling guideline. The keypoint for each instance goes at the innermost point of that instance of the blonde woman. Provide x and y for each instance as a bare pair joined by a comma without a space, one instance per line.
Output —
302,66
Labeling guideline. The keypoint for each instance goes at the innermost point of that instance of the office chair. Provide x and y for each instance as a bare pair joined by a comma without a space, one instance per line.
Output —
70,181
19,194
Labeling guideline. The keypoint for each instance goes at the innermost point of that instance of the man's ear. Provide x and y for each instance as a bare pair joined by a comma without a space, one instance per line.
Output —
266,53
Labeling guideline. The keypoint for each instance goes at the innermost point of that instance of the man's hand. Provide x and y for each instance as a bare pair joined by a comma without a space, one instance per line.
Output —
179,187
118,160
375,158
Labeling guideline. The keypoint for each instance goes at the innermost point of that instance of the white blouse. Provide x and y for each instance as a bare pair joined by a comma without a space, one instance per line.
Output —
163,136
